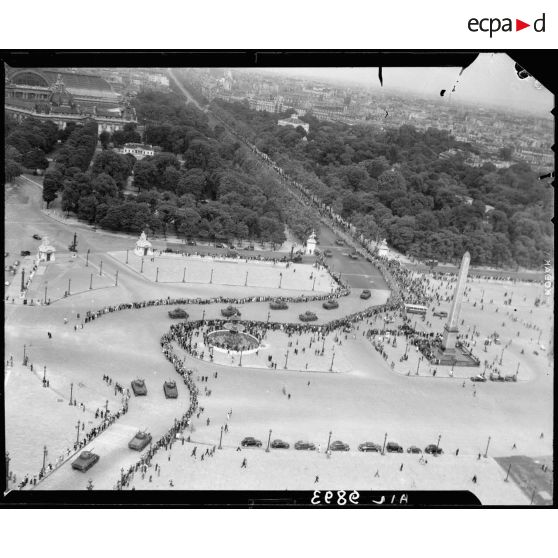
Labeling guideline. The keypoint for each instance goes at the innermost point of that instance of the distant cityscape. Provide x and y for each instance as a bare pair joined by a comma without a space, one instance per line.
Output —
502,137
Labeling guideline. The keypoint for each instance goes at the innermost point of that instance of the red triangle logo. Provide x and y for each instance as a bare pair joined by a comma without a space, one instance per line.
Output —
519,25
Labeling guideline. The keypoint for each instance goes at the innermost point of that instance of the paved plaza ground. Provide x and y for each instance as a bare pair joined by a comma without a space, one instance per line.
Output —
363,399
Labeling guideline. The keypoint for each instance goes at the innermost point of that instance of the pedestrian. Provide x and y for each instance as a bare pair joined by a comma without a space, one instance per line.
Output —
475,479
377,473
317,479
401,468
479,456
456,452
514,446
244,464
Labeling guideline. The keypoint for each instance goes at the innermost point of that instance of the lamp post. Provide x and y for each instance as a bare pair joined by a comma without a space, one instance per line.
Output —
502,355
77,429
106,407
116,279
87,257
280,279
240,361
517,372
268,315
508,473
438,444
268,441
157,275
45,452
101,269
44,376
91,282
286,358
126,256
211,277
141,268
69,285
24,355
71,393
22,280
384,447
203,315
332,358
418,366
221,439
329,440
184,275
246,280
314,283
46,285
323,344
486,450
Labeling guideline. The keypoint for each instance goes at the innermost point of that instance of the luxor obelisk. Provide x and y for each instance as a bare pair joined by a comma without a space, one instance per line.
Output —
451,328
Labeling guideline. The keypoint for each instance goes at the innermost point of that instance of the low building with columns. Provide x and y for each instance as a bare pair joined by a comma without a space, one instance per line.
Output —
46,251
143,246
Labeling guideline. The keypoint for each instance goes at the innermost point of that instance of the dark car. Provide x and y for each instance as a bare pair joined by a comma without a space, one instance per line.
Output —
251,248
369,446
496,377
25,253
37,237
478,378
230,311
353,256
365,294
338,445
220,245
178,313
307,316
279,444
394,447
441,314
140,441
330,304
278,305
170,389
85,461
297,258
139,387
328,253
339,242
191,243
434,449
414,449
301,445
250,442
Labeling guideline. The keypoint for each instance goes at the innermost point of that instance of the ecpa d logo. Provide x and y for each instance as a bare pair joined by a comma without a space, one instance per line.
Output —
494,24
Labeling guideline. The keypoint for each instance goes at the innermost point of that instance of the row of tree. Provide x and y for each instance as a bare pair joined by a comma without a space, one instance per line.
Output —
393,183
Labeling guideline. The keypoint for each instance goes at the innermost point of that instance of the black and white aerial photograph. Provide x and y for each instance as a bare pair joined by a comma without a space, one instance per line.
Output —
330,280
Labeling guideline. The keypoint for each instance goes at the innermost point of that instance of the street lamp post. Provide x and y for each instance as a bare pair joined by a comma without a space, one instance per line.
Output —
329,440
87,257
486,450
221,439
69,285
240,361
141,269
46,285
101,269
384,447
418,366
502,355
116,279
438,444
157,275
91,282
184,275
508,473
314,283
71,393
517,372
22,280
280,279
77,429
286,358
24,355
126,256
268,441
106,407
268,315
203,315
323,345
211,277
44,376
332,358
246,280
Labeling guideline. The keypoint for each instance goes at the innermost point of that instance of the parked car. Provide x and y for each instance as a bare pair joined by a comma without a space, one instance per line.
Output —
85,461
330,304
170,389
338,445
37,237
251,247
297,258
433,449
140,441
301,445
139,387
220,245
280,444
478,378
353,256
278,305
25,253
365,294
441,314
230,311
191,243
394,447
178,313
339,242
328,253
369,446
250,442
414,449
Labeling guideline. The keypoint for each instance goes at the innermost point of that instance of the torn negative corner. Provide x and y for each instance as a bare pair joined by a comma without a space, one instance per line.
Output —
522,73
549,175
